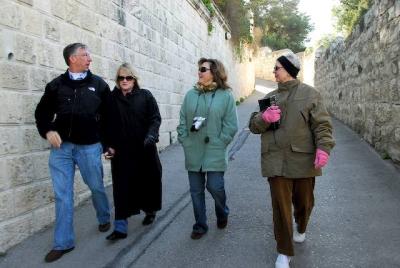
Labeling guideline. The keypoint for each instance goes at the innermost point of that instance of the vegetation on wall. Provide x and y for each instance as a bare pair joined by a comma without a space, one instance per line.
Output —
349,13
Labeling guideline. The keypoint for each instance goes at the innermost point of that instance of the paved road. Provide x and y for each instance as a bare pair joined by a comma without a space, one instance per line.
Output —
355,223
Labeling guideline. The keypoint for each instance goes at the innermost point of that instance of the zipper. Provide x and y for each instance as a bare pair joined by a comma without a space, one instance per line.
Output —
72,114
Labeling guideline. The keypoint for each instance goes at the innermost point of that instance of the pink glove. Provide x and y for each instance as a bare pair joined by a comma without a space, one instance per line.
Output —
321,158
272,114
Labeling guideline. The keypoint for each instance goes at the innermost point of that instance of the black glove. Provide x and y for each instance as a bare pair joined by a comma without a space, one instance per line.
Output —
149,141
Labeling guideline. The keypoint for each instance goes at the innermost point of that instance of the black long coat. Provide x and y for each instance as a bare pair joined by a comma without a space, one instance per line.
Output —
136,169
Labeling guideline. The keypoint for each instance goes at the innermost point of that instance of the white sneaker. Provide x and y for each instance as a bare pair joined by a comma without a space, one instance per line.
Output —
298,237
282,261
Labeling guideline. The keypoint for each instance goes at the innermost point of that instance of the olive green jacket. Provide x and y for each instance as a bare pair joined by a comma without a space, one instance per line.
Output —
221,126
305,125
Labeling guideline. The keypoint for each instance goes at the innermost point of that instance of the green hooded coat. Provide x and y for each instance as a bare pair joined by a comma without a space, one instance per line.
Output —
219,109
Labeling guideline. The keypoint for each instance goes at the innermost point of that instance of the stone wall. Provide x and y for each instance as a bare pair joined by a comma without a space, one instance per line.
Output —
360,78
265,61
162,39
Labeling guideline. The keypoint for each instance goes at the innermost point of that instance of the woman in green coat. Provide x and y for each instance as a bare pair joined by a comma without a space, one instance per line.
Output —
208,123
293,153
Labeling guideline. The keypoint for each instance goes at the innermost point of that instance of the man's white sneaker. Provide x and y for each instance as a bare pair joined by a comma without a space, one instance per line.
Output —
282,261
298,237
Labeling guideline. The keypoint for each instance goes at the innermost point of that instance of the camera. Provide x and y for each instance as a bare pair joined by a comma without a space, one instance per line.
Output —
273,101
197,123
264,104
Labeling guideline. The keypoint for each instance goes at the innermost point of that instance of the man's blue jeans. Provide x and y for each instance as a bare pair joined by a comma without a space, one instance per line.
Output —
62,163
215,185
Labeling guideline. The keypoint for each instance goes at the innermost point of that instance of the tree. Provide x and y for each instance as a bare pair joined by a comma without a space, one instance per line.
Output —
236,13
283,25
349,13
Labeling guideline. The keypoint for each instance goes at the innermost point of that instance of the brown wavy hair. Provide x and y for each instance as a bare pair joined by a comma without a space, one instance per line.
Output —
218,71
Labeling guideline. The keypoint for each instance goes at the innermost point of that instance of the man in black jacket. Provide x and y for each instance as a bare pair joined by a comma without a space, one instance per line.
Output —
70,115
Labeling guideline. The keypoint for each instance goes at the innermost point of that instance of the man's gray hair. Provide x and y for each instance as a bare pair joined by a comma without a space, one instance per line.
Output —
71,50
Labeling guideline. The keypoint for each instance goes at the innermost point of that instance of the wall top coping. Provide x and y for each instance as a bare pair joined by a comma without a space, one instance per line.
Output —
205,14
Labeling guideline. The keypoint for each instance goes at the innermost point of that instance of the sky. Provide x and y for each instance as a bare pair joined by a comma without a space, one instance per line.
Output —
320,15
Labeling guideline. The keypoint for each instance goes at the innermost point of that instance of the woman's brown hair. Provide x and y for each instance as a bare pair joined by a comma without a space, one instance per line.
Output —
217,70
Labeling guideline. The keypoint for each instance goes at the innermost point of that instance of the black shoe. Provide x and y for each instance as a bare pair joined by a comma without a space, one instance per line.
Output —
104,227
221,224
148,219
55,254
196,235
116,235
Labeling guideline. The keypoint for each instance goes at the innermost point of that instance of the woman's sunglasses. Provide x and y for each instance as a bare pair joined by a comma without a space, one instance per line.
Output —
203,69
128,78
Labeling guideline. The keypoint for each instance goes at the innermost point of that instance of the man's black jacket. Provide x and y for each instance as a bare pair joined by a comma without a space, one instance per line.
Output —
74,108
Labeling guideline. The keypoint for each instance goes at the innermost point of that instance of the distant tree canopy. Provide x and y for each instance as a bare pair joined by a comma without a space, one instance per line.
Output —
279,23
282,24
349,13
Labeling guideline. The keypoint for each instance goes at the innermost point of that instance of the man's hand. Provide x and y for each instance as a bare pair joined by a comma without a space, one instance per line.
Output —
54,138
272,114
109,154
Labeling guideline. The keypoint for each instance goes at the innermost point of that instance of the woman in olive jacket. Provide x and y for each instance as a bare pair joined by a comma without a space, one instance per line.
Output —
208,123
294,153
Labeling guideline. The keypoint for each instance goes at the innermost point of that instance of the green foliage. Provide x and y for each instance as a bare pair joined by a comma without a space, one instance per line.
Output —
237,103
282,24
209,6
349,14
241,99
326,40
236,13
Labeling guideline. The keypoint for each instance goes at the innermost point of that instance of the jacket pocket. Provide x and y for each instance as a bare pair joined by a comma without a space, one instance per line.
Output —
303,148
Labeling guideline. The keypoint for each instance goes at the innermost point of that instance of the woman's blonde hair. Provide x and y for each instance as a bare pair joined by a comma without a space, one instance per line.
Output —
217,70
128,68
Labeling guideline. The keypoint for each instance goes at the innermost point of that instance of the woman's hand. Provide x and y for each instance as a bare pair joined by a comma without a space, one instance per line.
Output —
272,114
321,159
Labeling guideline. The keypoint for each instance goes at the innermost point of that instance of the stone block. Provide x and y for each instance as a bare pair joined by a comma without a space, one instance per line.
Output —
14,231
31,196
14,76
29,103
42,217
88,20
52,29
6,205
43,5
11,15
10,140
24,49
11,109
72,11
58,8
94,43
32,141
18,169
32,22
39,77
4,181
46,53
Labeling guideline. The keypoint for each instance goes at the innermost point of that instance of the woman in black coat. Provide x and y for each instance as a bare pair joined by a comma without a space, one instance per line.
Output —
133,124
